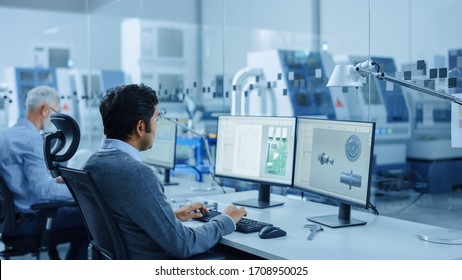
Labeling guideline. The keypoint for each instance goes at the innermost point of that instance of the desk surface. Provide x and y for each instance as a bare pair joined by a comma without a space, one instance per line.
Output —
189,188
381,238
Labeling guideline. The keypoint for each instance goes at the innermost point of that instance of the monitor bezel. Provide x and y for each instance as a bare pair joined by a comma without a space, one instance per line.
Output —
332,196
160,165
261,182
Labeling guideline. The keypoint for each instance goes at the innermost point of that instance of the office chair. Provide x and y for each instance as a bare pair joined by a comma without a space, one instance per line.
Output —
31,244
106,240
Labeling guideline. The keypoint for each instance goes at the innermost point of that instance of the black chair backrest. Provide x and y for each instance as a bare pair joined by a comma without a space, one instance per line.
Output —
103,229
7,210
66,141
104,232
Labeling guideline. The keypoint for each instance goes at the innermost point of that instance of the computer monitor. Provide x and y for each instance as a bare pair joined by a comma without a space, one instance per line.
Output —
162,152
333,159
256,149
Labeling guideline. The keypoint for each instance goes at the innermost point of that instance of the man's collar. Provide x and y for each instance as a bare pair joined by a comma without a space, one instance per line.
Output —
109,144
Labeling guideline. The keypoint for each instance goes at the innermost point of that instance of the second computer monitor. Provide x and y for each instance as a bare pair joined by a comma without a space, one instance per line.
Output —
257,149
162,153
334,160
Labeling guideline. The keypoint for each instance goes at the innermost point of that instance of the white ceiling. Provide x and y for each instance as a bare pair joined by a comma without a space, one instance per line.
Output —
76,6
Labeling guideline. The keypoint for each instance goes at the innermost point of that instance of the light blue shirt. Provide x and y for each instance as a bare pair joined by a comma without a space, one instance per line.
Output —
22,166
116,144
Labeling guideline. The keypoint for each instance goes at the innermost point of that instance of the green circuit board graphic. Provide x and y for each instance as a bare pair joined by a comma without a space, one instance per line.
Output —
277,156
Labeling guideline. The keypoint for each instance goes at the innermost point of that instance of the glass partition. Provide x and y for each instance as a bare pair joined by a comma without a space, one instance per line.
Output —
278,57
258,57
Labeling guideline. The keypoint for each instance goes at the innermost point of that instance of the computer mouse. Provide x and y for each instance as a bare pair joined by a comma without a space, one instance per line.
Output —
271,232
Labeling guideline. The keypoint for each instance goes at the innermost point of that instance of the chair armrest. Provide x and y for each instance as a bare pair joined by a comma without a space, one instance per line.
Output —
52,206
47,210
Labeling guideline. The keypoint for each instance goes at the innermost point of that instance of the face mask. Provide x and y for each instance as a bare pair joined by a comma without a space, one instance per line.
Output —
47,125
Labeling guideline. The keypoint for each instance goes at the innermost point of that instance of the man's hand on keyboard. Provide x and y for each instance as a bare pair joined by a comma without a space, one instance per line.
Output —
236,213
191,211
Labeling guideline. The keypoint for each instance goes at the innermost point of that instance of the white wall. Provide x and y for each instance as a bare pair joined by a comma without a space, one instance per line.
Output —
406,30
79,32
104,47
21,29
235,27
184,11
94,39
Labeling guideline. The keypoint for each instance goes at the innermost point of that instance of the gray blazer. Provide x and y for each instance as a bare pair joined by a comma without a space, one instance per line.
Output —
136,197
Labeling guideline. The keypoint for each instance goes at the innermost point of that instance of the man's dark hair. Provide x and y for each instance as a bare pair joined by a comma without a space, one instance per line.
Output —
122,107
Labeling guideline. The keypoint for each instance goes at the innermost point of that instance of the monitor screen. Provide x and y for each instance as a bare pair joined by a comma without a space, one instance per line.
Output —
334,159
258,149
162,152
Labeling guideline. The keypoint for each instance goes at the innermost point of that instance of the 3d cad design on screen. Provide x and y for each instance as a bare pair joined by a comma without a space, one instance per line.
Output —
353,148
325,159
350,179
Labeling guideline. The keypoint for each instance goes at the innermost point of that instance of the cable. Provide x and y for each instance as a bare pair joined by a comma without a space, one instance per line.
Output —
374,209
201,135
158,169
411,203
192,167
209,159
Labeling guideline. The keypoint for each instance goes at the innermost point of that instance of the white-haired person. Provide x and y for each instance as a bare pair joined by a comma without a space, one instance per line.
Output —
23,168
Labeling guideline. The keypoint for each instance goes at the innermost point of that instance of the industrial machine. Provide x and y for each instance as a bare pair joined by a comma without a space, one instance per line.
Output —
431,158
86,88
21,81
80,92
287,83
293,83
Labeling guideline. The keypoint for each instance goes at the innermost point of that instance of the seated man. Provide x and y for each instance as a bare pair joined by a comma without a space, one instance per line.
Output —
132,190
22,166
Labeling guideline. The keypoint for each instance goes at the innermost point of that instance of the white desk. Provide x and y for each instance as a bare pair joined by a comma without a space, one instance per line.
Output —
188,188
381,238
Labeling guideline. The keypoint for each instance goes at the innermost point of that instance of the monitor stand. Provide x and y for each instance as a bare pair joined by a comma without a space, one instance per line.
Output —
343,219
263,200
167,178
